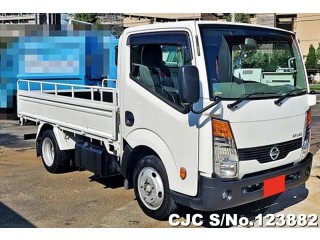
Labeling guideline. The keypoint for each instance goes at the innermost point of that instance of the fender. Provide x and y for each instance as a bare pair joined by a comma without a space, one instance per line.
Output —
38,139
65,142
39,129
150,139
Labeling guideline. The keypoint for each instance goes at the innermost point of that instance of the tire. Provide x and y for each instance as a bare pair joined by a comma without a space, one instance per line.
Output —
53,159
151,188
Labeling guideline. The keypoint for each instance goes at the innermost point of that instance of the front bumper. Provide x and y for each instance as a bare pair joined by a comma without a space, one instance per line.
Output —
209,197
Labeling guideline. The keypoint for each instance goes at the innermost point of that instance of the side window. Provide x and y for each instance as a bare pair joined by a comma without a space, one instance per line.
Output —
155,61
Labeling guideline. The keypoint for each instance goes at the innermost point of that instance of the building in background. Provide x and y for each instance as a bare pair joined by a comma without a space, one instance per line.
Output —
307,27
286,21
30,18
136,19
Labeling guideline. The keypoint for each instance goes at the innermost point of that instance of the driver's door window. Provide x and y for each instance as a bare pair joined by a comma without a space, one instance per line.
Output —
155,62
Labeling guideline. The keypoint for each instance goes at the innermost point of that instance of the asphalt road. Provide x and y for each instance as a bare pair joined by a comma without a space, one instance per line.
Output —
31,197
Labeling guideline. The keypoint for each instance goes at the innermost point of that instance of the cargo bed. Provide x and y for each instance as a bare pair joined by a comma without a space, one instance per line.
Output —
86,110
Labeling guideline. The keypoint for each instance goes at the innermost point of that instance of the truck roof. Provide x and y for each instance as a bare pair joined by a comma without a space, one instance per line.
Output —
190,24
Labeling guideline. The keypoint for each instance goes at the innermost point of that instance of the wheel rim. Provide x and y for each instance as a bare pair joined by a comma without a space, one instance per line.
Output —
150,188
48,152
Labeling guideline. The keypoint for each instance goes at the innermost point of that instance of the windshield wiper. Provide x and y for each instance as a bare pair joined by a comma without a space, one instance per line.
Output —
278,102
240,100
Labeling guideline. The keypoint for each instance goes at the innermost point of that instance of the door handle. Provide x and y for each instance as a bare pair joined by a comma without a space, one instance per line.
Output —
129,118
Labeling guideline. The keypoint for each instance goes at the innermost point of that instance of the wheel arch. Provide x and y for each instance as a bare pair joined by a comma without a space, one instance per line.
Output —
130,160
140,143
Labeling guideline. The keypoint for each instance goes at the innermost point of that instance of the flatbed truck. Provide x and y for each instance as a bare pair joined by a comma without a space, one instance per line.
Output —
206,115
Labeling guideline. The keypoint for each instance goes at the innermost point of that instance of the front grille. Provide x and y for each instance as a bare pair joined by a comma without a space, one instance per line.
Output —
262,154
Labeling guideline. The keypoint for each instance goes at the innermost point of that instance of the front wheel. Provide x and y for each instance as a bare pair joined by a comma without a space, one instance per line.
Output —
151,188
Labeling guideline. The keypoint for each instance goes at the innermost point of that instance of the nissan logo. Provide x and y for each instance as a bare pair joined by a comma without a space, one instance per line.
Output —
274,153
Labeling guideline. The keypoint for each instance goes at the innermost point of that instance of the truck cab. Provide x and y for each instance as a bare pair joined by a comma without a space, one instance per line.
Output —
258,129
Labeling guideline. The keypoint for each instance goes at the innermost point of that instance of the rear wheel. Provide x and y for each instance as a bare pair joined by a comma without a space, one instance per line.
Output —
53,159
151,188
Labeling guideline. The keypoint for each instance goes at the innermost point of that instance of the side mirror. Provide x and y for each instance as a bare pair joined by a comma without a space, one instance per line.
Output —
189,84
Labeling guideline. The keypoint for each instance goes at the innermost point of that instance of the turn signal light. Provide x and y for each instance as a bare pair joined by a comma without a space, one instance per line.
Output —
221,129
226,160
183,173
307,136
308,120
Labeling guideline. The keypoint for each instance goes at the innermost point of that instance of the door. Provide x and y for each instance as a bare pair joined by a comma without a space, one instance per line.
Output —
150,103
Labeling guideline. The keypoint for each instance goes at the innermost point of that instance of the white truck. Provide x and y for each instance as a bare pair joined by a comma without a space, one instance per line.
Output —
207,115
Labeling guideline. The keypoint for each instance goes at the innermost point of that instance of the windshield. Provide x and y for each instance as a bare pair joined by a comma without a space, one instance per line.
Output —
244,60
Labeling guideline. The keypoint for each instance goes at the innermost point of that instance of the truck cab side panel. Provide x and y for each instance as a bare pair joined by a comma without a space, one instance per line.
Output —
150,105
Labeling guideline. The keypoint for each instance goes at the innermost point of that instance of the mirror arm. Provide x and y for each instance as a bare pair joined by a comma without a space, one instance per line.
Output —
216,101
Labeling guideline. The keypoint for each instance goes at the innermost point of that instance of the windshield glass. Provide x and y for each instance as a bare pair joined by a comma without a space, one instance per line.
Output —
244,60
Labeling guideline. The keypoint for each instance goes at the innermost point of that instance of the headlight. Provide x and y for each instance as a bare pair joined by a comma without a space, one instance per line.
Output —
307,136
226,161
